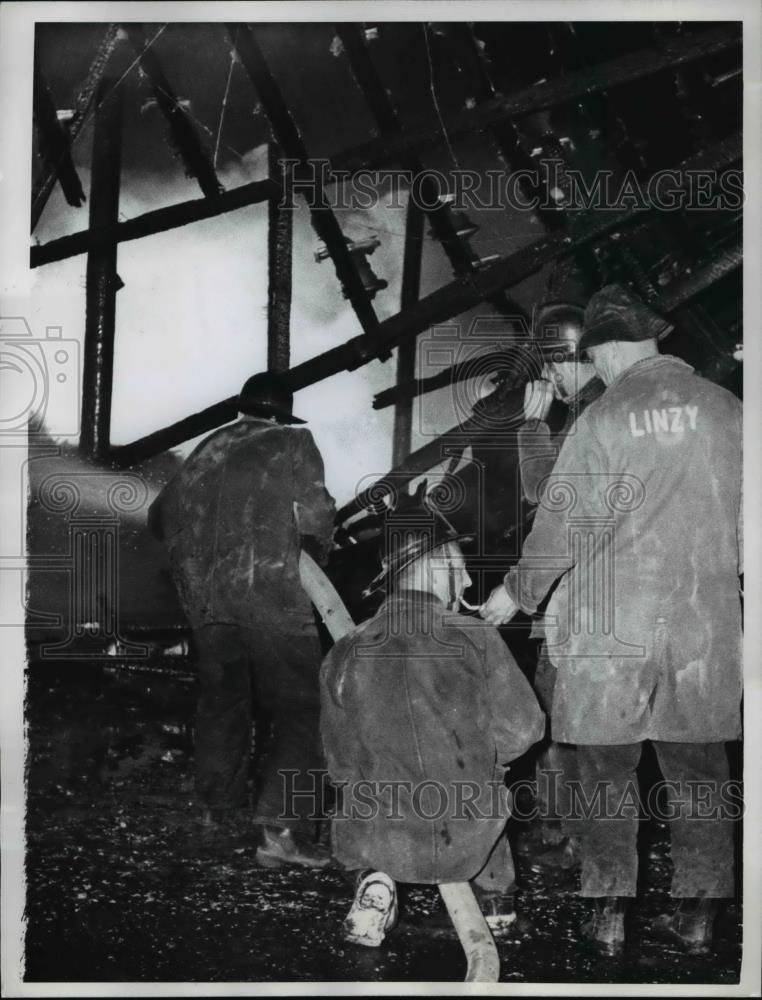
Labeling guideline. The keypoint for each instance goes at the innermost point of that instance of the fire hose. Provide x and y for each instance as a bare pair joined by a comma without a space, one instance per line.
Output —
482,961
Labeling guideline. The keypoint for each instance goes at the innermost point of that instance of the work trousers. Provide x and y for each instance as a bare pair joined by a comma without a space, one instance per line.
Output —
556,763
498,875
280,671
695,776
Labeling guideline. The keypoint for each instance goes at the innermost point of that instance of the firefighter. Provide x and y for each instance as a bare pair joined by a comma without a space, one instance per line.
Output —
422,709
234,519
556,330
641,527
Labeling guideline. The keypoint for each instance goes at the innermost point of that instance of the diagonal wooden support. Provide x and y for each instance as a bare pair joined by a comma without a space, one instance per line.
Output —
459,253
194,155
287,135
552,93
82,104
54,145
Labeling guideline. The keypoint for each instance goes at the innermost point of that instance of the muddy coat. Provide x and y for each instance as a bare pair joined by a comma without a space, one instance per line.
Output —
228,521
418,694
641,522
539,449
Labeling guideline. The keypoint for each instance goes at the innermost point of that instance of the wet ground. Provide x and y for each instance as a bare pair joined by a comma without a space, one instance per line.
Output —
124,885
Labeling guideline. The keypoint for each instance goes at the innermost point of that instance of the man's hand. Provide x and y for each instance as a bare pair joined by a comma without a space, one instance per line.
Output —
538,398
499,607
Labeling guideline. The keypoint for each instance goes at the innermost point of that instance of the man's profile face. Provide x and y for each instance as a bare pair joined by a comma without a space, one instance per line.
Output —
564,376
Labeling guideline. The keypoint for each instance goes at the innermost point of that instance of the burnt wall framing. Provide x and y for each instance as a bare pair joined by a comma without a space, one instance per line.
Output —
473,284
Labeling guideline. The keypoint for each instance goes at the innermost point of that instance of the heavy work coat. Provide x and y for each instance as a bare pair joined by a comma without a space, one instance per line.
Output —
539,449
420,695
641,521
232,519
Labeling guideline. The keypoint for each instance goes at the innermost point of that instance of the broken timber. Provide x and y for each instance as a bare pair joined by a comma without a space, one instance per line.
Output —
54,145
574,86
194,156
451,300
324,221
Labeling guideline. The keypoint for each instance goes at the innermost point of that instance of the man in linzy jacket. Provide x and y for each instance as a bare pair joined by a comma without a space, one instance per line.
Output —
640,524
422,709
556,330
234,520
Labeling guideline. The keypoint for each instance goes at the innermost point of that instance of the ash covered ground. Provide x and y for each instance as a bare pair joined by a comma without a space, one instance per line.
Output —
123,884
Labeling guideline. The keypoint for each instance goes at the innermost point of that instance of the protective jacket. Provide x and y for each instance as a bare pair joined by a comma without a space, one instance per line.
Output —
232,520
640,524
421,709
539,449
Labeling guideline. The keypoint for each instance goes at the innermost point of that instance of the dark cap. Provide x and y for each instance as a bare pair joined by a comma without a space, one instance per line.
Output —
268,395
616,313
413,527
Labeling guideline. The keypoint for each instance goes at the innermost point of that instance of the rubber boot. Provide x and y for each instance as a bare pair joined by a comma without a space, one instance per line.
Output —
605,929
691,925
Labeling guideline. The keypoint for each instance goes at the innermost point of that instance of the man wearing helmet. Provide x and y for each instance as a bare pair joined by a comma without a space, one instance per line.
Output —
234,519
640,541
556,331
422,710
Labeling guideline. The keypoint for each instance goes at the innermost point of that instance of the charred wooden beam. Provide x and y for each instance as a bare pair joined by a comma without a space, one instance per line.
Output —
451,300
672,299
459,253
82,104
410,389
411,286
158,221
190,147
472,431
182,430
604,76
287,135
102,280
54,146
692,285
279,253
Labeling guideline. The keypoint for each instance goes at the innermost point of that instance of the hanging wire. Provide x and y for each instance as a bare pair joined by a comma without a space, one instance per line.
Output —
224,105
434,98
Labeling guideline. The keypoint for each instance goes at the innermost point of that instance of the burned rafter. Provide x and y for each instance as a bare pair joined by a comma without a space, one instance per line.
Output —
157,221
54,145
552,93
82,104
287,135
184,135
505,133
443,225
441,305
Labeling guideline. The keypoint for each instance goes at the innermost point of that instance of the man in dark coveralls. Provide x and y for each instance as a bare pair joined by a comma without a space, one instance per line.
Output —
570,379
422,709
641,525
234,520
